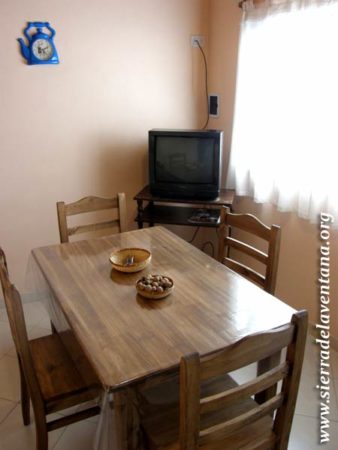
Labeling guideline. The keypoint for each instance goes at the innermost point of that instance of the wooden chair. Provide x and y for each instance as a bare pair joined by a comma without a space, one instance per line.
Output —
250,224
48,375
91,204
231,419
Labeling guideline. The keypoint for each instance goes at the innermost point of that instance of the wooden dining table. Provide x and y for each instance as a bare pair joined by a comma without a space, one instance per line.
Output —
129,339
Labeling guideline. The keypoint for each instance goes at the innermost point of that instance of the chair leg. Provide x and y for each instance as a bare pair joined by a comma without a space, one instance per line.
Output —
41,431
25,399
41,435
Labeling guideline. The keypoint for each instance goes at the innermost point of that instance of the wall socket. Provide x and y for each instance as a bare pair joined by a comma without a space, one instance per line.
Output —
197,38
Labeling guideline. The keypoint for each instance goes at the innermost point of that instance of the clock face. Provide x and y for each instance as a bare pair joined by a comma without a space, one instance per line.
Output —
42,49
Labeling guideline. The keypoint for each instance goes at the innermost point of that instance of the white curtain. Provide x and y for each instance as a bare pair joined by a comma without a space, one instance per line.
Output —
285,136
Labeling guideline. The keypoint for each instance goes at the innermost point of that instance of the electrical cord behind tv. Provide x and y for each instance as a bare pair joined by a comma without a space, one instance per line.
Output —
194,235
204,244
206,83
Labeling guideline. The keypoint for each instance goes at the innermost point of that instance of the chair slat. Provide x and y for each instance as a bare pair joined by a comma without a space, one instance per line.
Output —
246,271
246,351
223,430
251,225
247,249
90,204
92,227
219,401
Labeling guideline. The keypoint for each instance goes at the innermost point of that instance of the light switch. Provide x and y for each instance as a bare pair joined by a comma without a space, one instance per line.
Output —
213,105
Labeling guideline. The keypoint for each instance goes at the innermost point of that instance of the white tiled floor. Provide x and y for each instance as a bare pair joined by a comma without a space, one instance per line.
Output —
15,436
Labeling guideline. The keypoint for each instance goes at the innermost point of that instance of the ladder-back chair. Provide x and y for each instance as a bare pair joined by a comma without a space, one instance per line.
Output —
48,375
228,243
232,419
88,205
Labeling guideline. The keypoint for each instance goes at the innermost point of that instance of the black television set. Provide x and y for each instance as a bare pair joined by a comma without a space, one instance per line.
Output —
185,163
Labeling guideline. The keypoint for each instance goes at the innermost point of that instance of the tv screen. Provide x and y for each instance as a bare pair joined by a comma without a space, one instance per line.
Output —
185,163
184,160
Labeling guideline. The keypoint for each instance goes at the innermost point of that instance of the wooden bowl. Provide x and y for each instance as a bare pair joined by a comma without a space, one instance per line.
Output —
155,295
141,258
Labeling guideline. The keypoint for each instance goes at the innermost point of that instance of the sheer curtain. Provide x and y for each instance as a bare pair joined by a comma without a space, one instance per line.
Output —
285,136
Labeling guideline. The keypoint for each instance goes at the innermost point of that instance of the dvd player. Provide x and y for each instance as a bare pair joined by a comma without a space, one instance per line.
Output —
204,216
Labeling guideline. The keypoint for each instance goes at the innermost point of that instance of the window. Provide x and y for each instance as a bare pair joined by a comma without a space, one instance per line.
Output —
285,136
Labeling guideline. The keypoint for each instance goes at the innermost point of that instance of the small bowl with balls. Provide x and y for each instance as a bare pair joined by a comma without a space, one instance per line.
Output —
155,286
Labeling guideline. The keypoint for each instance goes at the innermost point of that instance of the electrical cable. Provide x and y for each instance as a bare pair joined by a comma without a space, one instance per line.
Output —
206,83
194,235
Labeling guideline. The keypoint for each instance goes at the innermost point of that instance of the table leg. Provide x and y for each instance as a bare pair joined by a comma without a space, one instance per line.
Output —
151,205
140,213
126,420
120,410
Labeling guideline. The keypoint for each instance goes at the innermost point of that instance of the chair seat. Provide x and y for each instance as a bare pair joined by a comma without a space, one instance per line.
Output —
160,418
61,383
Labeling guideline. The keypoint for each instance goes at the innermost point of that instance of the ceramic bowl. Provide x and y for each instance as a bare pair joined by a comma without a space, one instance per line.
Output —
130,259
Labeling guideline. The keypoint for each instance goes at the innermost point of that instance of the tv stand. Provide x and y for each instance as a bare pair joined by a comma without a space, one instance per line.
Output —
176,211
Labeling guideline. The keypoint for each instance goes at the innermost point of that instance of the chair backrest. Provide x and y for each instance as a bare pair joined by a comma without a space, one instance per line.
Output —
91,204
250,224
250,349
5,284
3,259
19,332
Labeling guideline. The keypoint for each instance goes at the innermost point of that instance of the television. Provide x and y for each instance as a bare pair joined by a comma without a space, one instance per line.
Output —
185,164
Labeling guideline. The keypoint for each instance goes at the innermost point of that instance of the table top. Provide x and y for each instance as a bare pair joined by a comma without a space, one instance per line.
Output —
127,337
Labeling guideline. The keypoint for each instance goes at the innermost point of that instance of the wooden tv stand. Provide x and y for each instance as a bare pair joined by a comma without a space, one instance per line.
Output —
176,211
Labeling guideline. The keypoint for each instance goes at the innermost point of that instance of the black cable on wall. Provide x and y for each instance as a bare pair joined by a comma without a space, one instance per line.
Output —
206,83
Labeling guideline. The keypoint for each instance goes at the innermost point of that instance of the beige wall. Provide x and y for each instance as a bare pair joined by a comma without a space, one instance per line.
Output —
299,258
80,128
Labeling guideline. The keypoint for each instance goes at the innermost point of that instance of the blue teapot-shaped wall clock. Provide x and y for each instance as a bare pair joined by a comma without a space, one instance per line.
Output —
40,48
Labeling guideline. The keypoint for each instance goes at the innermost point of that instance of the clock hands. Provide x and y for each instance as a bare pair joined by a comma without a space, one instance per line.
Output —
43,49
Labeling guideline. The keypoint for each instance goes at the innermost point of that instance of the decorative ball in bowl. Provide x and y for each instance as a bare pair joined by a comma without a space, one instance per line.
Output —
130,259
155,286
